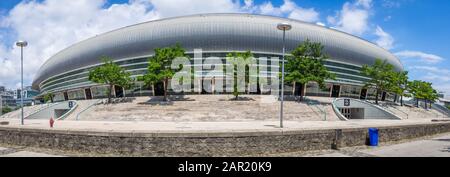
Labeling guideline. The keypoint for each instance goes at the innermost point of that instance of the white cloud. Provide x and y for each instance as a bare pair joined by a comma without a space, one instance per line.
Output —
291,10
364,3
384,40
268,9
320,24
391,3
353,18
440,77
52,25
431,69
167,8
429,58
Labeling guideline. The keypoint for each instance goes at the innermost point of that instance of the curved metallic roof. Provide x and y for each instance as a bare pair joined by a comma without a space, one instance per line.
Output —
212,32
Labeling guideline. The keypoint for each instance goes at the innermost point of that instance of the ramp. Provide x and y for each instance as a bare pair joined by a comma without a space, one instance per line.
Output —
56,111
348,109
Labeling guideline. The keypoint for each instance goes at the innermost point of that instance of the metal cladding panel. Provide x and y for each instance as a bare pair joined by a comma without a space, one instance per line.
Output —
211,32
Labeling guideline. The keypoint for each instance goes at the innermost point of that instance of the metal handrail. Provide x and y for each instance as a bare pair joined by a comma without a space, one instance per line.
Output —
444,110
309,102
323,112
407,115
89,107
336,110
41,109
387,108
382,108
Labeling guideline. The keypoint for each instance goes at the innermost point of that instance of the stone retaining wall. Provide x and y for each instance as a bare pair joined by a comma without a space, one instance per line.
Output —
209,144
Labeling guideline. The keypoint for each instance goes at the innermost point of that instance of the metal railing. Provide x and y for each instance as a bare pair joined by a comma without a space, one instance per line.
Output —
381,108
442,109
337,111
407,115
87,108
43,108
316,104
387,105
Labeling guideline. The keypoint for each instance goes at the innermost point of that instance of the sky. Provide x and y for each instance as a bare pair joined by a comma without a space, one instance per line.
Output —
416,31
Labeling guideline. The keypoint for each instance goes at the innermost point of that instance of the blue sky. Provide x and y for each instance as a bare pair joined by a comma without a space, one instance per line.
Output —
415,30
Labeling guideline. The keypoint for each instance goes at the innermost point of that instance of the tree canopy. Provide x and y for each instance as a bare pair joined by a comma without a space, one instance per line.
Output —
49,97
306,64
111,74
399,84
381,76
159,67
422,91
240,59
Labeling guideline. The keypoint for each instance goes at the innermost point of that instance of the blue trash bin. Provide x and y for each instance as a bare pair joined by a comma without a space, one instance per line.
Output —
373,137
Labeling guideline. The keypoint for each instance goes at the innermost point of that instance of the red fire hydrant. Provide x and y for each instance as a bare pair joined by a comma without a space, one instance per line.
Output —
51,122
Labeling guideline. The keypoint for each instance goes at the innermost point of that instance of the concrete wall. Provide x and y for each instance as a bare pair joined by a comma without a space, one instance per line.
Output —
208,144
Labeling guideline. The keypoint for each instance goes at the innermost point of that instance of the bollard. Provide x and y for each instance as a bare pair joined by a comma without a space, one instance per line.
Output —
51,122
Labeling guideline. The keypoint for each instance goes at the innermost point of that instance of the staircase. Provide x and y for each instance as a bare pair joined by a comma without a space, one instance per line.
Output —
27,111
82,106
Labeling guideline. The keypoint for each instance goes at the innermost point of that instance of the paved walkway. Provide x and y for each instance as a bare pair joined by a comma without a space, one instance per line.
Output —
201,127
21,152
435,146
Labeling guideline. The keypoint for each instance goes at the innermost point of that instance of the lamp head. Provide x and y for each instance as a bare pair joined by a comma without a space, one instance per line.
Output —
21,43
284,26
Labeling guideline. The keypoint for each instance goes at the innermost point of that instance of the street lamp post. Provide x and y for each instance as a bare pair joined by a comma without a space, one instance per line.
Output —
284,27
21,44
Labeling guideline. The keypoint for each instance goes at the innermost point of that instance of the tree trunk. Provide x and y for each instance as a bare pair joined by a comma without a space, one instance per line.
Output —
417,102
302,91
293,88
124,93
153,89
401,100
165,88
109,93
376,97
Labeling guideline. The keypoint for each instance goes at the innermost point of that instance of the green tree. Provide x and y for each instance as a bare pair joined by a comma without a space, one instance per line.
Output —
306,65
111,74
236,59
414,87
431,95
422,91
149,82
49,97
400,84
159,68
6,109
381,75
127,84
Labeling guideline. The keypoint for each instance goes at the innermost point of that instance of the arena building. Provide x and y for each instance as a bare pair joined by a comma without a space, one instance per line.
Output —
66,73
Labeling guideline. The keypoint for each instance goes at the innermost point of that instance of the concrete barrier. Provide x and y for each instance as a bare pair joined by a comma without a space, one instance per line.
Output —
209,143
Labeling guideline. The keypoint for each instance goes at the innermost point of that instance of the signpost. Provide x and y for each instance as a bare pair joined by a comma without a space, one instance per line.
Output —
70,104
346,102
1,105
